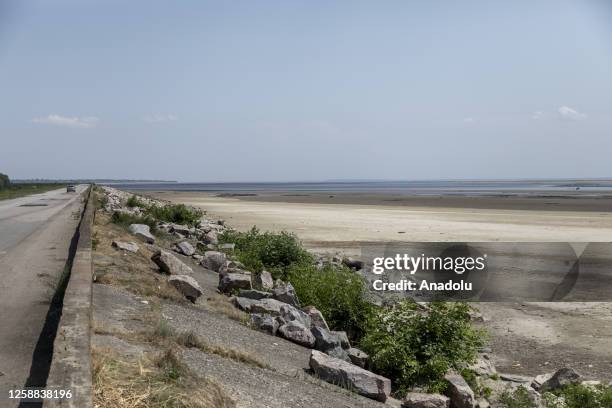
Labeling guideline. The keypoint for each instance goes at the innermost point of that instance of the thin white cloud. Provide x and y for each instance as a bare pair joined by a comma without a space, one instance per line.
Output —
469,120
72,122
571,114
160,118
537,115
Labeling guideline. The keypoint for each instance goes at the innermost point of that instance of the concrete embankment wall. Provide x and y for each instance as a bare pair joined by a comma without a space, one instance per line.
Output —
71,364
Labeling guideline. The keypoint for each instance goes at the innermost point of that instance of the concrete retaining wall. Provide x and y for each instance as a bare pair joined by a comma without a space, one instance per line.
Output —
71,364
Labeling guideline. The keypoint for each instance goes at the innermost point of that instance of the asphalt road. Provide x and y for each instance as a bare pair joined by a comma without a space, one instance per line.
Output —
35,236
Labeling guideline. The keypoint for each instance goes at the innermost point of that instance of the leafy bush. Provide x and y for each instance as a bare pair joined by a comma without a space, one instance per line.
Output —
416,348
270,250
519,398
338,292
580,396
134,201
175,213
125,220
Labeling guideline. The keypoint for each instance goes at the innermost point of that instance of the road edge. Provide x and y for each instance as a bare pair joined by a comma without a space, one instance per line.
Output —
71,363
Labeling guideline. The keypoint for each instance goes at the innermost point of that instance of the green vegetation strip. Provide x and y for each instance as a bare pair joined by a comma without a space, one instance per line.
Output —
21,190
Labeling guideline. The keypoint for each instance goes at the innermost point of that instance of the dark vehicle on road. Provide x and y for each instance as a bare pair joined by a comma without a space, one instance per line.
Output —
70,188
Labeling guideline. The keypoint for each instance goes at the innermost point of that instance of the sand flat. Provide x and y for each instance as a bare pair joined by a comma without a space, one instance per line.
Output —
316,222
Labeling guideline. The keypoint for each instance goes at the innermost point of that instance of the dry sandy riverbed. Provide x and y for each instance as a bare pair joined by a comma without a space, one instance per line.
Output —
528,338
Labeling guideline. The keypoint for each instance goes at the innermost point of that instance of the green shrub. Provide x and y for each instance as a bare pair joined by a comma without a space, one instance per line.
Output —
5,182
125,220
338,293
134,201
416,348
581,396
175,213
519,398
270,250
471,378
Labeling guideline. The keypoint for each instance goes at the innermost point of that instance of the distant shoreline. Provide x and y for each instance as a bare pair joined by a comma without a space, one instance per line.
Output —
536,201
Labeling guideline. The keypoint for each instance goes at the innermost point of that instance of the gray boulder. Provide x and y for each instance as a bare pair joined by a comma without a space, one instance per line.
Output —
243,303
210,238
286,293
423,400
170,264
126,246
183,230
459,392
264,280
142,231
483,366
188,286
267,306
198,258
265,323
290,313
358,357
254,294
185,248
297,333
231,282
329,343
337,371
213,260
316,317
344,341
561,378
354,264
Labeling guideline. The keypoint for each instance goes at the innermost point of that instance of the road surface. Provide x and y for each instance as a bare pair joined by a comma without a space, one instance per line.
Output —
35,236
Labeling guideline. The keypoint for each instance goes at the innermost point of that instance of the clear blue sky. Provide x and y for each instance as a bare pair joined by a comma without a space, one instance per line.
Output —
305,90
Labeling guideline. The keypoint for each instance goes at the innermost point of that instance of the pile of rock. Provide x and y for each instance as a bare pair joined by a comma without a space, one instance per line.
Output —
275,309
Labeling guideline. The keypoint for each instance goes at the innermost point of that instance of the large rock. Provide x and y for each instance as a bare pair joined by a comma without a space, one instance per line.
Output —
286,293
265,323
316,317
143,231
358,357
231,282
243,303
340,372
185,248
290,313
183,230
210,238
483,366
459,392
354,264
263,280
267,306
561,378
254,294
213,260
423,400
344,341
126,246
329,343
186,285
298,333
170,264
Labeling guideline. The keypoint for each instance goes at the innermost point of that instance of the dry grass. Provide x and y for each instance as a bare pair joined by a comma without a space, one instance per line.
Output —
134,272
164,335
192,340
163,382
221,304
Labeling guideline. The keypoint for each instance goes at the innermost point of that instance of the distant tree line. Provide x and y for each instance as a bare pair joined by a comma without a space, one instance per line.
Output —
4,181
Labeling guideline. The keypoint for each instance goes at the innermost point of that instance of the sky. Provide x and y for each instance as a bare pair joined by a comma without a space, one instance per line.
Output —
305,90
